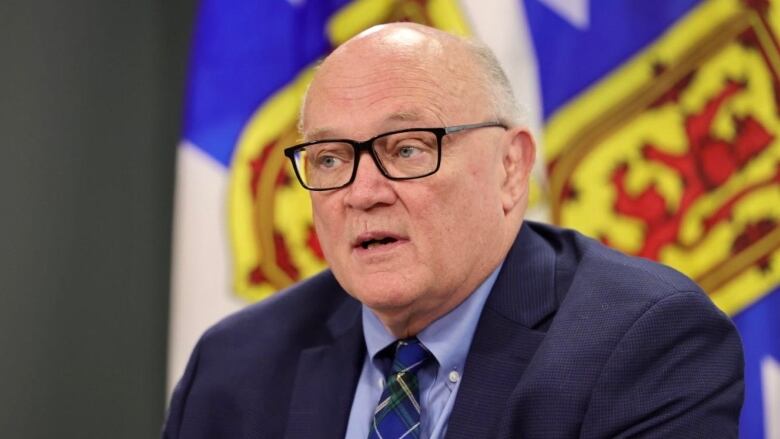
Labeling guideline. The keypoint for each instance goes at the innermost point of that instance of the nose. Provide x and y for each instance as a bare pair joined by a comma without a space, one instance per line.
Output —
370,188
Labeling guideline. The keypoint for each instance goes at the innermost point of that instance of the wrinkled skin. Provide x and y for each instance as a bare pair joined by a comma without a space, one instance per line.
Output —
451,229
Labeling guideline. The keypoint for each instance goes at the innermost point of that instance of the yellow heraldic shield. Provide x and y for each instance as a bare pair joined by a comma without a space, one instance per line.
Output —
676,155
272,235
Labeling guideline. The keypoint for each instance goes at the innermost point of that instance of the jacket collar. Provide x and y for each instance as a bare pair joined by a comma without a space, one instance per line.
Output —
512,325
326,377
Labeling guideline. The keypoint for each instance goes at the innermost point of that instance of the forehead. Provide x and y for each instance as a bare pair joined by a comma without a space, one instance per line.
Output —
419,119
384,89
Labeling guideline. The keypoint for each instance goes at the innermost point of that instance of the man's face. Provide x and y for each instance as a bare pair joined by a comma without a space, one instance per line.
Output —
409,249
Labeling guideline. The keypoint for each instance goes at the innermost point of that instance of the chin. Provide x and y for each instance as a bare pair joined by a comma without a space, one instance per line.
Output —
383,294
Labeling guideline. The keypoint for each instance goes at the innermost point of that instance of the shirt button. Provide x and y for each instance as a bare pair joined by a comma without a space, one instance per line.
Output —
454,376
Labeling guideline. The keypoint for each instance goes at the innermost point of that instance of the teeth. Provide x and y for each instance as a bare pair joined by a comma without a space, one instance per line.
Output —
375,242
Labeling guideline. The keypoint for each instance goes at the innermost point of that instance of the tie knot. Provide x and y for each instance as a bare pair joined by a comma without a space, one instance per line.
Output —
410,355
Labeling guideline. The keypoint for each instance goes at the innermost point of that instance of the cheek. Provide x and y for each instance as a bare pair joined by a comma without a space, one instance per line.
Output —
326,222
448,215
470,206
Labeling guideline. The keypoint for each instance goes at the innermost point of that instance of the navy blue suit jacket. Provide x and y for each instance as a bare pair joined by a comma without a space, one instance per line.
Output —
575,340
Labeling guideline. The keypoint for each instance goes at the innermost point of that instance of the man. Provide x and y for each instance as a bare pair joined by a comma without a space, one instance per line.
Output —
443,313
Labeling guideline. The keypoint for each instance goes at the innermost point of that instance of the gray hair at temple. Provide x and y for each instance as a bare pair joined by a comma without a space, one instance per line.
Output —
495,83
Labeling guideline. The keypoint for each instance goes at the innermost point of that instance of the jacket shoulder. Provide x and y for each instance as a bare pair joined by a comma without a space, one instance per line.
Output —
291,313
590,265
629,341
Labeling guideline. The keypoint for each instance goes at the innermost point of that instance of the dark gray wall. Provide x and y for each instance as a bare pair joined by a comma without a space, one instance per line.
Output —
90,104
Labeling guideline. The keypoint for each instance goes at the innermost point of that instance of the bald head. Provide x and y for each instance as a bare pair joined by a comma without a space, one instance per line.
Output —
461,68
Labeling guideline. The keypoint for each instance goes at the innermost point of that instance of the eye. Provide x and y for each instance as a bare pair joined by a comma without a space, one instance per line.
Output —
407,151
329,156
407,147
328,161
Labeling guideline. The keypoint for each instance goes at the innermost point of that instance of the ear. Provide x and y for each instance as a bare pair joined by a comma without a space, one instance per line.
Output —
518,160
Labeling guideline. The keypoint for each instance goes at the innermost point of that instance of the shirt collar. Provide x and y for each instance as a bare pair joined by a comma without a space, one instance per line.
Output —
448,338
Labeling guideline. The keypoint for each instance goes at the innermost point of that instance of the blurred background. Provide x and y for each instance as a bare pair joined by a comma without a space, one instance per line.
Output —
145,194
91,98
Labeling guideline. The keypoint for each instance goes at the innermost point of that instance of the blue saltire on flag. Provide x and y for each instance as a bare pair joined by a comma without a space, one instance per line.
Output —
571,59
243,52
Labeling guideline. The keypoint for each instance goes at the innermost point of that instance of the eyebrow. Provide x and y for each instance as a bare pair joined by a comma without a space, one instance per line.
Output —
403,116
400,116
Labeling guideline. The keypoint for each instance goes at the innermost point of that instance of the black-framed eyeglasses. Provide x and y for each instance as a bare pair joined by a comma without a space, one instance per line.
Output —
406,154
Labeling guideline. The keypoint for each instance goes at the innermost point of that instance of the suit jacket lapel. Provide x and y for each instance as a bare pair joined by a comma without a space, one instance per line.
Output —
510,329
326,378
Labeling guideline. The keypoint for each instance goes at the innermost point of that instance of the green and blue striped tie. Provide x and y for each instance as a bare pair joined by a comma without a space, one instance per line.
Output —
398,413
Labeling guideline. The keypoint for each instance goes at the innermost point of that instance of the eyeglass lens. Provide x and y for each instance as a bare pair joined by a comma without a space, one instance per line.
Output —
401,155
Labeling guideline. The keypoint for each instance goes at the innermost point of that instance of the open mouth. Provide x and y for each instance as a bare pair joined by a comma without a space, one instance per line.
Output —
371,243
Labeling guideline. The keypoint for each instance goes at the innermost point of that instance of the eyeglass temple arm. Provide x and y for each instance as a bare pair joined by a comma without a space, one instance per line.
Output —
457,128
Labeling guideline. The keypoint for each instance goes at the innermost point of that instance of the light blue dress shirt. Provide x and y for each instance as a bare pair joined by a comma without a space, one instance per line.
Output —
447,338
